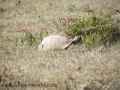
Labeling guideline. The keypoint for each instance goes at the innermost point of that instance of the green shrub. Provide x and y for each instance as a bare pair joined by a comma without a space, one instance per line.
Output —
93,28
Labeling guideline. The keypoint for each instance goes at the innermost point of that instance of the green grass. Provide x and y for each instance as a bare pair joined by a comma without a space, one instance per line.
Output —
93,28
22,27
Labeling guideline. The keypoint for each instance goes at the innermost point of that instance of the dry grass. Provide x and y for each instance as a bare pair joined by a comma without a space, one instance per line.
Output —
76,68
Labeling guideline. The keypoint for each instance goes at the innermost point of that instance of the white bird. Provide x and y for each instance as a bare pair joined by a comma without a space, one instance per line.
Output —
57,40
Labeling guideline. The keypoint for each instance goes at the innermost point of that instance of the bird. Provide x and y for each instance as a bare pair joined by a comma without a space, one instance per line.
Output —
57,40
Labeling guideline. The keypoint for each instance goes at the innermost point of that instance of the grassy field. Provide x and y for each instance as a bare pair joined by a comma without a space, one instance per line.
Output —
75,68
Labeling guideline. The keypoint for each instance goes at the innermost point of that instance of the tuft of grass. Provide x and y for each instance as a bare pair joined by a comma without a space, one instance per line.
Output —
30,38
94,28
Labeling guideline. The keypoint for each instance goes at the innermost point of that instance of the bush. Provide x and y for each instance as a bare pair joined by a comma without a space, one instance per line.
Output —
94,28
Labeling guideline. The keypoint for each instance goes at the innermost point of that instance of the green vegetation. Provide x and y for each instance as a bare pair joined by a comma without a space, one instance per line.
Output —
31,39
93,28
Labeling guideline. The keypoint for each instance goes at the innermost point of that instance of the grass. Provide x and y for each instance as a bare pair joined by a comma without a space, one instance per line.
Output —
22,27
92,28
